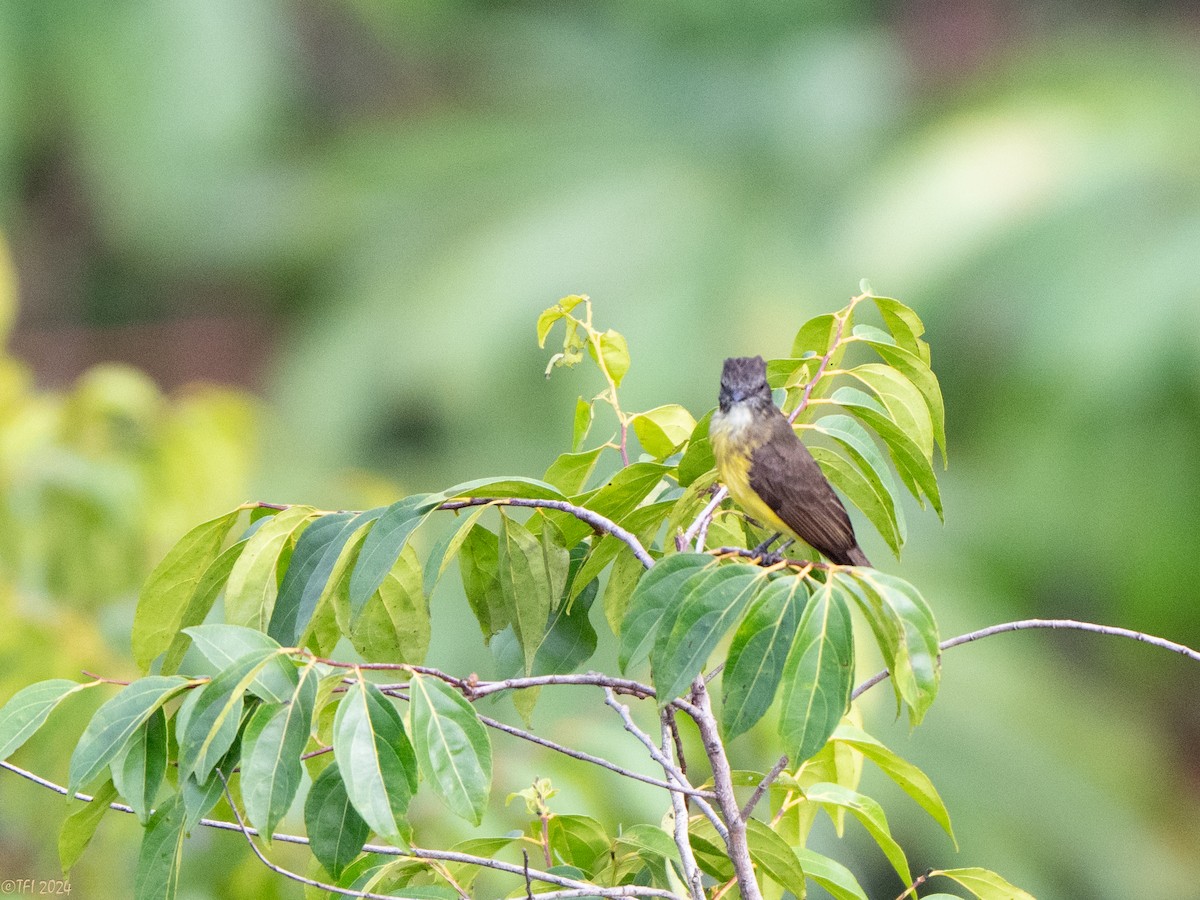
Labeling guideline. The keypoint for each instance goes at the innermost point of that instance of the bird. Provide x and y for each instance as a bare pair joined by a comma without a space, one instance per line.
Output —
769,472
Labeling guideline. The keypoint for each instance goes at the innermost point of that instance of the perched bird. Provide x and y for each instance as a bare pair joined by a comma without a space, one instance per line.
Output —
769,472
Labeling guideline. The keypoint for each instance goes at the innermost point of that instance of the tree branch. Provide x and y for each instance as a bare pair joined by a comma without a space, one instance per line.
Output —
691,870
748,809
1023,624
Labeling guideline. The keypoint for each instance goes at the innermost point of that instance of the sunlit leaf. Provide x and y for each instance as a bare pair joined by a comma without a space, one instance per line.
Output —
201,604
662,429
570,472
508,486
617,498
757,654
582,424
698,457
830,874
451,745
578,841
167,591
771,854
905,404
870,814
254,580
905,325
871,500
984,884
336,831
614,355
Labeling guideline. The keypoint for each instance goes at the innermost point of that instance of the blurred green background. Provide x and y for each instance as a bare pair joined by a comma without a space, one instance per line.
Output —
344,217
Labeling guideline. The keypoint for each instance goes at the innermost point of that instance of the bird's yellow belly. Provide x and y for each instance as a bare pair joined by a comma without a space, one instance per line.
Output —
733,446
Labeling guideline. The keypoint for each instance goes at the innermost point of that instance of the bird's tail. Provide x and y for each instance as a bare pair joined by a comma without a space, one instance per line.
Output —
855,557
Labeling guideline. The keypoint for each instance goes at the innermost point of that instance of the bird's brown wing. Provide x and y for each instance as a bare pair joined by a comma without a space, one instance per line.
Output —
785,475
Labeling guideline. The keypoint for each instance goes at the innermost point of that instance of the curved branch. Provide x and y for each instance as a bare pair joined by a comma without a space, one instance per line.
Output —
1023,624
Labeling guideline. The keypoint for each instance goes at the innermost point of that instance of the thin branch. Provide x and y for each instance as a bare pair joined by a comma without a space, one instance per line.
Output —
583,514
1023,624
595,760
714,749
691,870
582,888
702,520
824,363
595,679
668,767
748,809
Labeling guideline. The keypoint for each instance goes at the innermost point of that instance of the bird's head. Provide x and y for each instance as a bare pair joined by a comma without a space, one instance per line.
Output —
744,380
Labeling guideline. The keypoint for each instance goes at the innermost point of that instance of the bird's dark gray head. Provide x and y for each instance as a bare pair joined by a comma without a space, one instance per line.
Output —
744,378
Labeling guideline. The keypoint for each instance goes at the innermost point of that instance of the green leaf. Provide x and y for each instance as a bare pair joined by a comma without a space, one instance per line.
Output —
698,457
830,874
772,855
201,604
138,771
865,454
913,467
199,798
214,717
394,625
712,856
548,317
984,884
656,593
161,853
758,652
644,522
509,486
616,499
662,429
167,591
912,780
578,841
905,404
570,472
614,355
336,831
532,578
904,622
707,606
28,708
114,723
850,480
375,757
254,580
223,645
818,676
290,614
466,873
383,546
570,639
79,827
916,370
869,813
815,336
451,745
479,566
271,770
584,413
905,325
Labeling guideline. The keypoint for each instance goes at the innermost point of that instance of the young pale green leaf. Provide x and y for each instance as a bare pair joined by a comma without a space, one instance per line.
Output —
528,577
201,604
913,467
830,874
984,884
253,582
614,355
707,606
114,723
582,424
698,457
656,593
869,813
375,758
336,831
570,472
772,855
549,316
167,591
138,771
394,626
223,645
383,546
509,486
905,325
815,336
312,549
578,841
916,370
79,827
28,708
662,429
623,578
818,675
916,667
905,404
214,717
479,566
758,652
912,780
157,875
616,499
271,770
451,745
874,502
